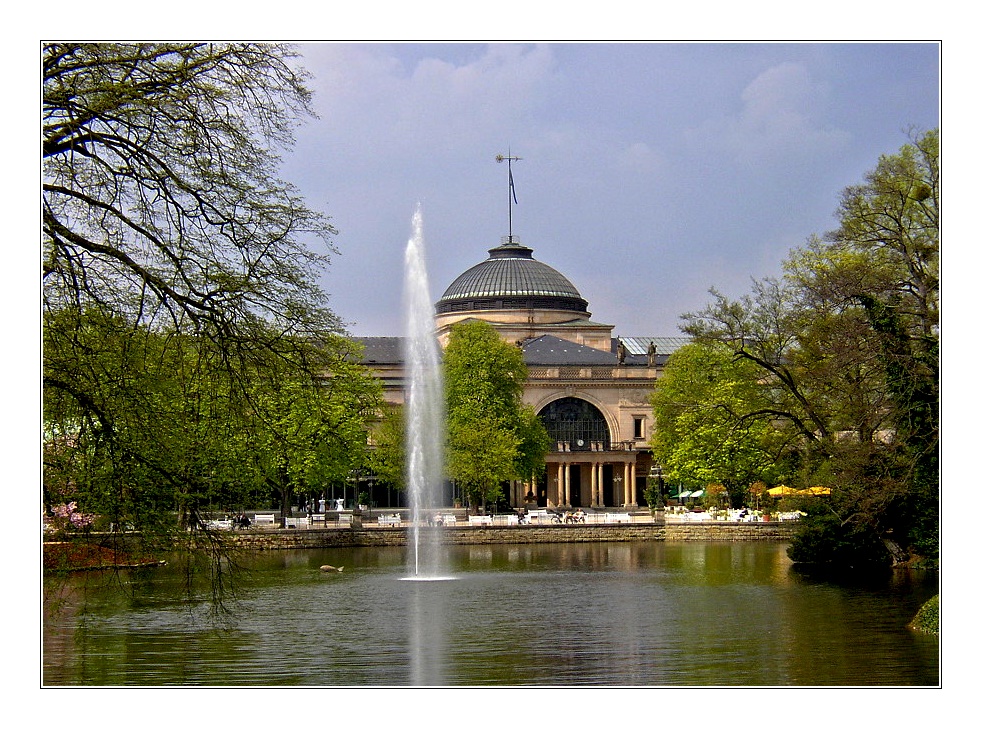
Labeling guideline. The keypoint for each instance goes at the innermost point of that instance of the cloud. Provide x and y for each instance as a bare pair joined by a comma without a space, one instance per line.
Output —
400,105
779,121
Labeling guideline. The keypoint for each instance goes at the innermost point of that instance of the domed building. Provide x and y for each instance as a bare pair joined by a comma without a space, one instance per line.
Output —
522,297
590,388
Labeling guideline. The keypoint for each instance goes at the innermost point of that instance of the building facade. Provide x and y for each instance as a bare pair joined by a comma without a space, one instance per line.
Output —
590,388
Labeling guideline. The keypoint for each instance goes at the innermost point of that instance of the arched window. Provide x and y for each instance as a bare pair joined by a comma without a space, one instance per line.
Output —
576,422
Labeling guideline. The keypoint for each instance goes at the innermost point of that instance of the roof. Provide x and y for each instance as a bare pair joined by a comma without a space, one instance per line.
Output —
511,273
663,345
381,350
550,350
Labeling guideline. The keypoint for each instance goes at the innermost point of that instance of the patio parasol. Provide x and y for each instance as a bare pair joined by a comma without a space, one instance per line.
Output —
782,491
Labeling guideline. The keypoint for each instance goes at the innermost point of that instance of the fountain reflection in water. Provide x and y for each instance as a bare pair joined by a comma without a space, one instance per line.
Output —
424,410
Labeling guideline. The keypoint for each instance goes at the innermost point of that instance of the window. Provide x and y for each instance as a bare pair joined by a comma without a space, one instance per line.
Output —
639,428
576,423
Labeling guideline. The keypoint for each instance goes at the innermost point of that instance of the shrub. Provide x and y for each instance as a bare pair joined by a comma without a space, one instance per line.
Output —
928,618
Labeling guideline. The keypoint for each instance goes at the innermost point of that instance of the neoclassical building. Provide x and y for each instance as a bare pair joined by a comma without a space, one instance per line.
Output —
590,388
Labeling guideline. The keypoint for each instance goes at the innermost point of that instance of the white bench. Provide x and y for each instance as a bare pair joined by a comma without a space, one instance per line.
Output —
617,518
297,522
393,520
264,519
479,520
540,515
506,519
314,518
219,524
344,519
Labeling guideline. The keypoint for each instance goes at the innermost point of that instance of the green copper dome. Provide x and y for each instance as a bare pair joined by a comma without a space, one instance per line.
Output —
510,279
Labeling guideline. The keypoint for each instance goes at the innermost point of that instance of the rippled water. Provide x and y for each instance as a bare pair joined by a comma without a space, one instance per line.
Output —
707,614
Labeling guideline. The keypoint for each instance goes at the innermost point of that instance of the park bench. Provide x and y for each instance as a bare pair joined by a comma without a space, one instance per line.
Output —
387,520
479,520
540,515
344,520
618,518
296,522
314,518
264,519
219,524
506,519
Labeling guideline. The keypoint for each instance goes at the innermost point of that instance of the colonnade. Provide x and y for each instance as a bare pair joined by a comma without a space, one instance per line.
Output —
624,496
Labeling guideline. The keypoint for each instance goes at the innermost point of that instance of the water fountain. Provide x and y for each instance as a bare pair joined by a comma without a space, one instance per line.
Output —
424,410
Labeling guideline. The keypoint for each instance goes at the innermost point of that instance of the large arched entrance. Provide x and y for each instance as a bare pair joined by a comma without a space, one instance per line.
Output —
575,425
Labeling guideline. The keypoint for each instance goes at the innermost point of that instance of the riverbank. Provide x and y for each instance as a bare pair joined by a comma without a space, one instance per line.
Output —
275,538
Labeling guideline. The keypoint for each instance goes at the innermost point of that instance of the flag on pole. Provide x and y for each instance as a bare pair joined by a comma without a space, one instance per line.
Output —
511,184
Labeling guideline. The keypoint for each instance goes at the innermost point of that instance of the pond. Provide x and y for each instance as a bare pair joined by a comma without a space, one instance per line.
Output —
588,614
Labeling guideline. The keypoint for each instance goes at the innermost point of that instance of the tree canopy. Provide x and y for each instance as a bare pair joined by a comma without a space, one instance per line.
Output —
190,356
846,350
492,437
712,422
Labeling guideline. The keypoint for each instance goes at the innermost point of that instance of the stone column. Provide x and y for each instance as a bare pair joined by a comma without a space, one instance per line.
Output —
593,484
600,484
561,494
567,468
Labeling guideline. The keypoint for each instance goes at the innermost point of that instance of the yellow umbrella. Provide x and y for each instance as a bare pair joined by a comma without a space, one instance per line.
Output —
817,491
781,491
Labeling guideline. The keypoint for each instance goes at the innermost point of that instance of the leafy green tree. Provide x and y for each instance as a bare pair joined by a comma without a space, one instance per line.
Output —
482,454
178,273
712,423
161,198
387,455
534,445
491,436
306,433
847,346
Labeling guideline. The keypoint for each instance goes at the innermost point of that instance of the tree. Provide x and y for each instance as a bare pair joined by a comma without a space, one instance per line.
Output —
713,423
847,344
178,270
882,262
161,200
387,456
307,433
491,436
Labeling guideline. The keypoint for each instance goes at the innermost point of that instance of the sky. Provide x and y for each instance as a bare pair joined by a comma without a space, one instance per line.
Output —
649,172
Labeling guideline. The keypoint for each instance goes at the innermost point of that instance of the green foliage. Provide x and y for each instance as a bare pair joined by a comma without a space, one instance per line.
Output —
491,436
823,539
305,434
928,618
845,352
387,457
709,426
190,359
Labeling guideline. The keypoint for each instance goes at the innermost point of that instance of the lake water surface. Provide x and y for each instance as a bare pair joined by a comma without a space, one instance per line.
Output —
591,614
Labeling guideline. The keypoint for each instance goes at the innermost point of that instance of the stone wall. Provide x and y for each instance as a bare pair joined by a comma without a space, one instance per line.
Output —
558,533
265,539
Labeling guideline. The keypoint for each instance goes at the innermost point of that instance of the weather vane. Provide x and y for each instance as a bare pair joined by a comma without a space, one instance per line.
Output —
511,187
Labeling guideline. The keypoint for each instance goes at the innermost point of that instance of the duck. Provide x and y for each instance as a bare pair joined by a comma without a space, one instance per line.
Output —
330,568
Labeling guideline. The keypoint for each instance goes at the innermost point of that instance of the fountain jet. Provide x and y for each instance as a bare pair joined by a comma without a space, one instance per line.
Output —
424,409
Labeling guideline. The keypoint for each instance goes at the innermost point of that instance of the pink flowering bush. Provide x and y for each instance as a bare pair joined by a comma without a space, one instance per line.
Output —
66,517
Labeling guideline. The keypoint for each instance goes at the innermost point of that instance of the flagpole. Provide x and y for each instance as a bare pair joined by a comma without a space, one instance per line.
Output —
511,188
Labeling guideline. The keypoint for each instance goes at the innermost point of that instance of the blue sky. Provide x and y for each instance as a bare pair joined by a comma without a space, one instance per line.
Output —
649,172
